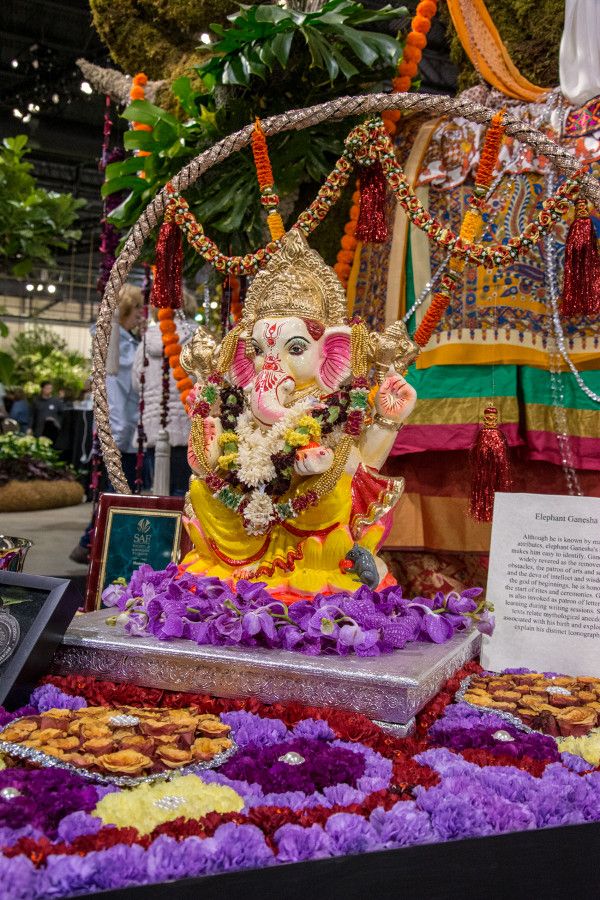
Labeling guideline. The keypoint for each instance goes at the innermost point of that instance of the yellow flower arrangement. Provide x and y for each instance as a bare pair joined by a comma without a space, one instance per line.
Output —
306,430
148,805
311,425
227,437
588,746
228,460
295,438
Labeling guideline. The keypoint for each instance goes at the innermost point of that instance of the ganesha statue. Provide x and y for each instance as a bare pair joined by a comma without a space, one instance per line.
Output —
293,416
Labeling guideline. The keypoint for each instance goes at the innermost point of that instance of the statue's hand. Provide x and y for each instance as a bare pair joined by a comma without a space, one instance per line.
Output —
211,429
396,398
313,460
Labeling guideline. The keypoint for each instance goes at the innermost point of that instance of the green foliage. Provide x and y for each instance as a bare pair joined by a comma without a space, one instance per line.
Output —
39,355
25,458
268,60
260,38
531,30
15,446
7,367
33,222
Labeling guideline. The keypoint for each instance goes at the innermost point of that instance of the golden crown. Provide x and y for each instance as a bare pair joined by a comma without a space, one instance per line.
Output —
295,282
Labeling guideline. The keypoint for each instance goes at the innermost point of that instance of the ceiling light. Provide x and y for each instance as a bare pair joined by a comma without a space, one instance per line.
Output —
205,38
17,114
14,63
198,317
51,288
86,87
55,98
29,287
27,118
213,304
40,287
33,107
35,63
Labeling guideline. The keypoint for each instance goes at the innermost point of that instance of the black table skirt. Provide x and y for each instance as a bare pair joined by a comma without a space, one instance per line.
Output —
547,864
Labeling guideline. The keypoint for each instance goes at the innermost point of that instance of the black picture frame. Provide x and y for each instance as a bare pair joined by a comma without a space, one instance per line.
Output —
44,610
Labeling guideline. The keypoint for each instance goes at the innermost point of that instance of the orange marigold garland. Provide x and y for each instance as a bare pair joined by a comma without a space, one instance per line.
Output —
470,229
268,195
138,92
489,255
489,455
415,43
172,351
166,286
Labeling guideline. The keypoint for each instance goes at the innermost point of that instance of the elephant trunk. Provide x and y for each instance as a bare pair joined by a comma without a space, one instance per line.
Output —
271,389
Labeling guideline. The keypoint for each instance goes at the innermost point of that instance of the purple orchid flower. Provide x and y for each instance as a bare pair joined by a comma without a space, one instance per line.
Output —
459,603
486,623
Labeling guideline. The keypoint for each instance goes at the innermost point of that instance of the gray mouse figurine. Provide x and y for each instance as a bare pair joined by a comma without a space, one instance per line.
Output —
364,566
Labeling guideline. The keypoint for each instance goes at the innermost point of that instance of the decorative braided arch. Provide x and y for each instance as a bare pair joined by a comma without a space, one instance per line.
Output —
294,120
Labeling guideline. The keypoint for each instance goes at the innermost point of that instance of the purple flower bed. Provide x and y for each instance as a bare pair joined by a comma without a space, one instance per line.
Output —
41,798
169,604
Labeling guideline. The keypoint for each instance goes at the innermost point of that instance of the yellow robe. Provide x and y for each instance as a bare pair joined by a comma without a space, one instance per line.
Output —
303,555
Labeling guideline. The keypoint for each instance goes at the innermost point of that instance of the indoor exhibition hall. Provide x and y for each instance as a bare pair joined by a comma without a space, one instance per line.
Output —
299,449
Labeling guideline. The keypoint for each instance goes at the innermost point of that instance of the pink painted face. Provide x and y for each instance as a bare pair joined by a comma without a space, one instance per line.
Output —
286,344
286,357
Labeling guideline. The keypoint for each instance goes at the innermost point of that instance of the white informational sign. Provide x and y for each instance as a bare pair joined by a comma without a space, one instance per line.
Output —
544,582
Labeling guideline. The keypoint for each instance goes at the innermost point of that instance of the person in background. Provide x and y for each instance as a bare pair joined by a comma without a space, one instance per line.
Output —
47,412
123,397
20,411
178,423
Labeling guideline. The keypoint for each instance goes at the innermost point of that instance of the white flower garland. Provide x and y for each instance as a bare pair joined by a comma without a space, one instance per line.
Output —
259,513
256,447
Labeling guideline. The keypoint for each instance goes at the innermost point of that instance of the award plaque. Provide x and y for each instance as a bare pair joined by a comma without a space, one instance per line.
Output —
130,531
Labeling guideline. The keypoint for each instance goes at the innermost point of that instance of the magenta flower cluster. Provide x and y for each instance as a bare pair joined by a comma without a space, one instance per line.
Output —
334,771
464,727
170,605
323,765
44,797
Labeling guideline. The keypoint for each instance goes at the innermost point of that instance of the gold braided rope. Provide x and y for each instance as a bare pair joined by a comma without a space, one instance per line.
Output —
228,348
359,345
198,445
560,160
327,481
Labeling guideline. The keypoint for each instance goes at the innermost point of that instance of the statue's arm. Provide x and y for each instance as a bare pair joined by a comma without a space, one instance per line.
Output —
375,445
394,402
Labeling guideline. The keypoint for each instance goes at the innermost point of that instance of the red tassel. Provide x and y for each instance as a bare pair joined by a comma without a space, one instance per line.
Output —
490,467
581,285
166,288
372,225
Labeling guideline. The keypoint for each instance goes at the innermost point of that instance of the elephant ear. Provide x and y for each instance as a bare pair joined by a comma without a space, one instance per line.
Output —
335,365
242,369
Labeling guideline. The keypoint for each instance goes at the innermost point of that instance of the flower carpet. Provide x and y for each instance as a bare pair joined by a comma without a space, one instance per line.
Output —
306,783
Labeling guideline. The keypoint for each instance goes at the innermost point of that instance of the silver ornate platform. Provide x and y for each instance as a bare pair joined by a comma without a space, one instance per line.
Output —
390,689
